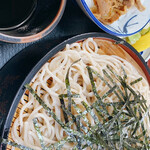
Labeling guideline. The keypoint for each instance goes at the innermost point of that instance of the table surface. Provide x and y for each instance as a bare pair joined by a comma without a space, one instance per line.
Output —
73,22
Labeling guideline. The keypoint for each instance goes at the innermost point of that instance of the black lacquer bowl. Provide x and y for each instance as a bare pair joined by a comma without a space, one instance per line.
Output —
129,51
42,21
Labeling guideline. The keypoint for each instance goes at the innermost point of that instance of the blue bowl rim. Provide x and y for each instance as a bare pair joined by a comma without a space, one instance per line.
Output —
99,24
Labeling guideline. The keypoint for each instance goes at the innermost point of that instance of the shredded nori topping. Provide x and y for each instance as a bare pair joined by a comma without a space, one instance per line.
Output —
116,131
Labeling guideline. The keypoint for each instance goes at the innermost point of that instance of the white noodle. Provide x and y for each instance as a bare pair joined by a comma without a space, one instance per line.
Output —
80,83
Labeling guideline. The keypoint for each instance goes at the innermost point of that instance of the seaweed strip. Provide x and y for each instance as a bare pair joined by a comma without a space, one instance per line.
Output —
116,117
14,144
109,92
110,78
128,147
69,113
81,114
72,96
136,81
36,126
121,135
98,124
124,73
61,143
99,76
79,140
100,111
88,109
63,105
95,91
68,86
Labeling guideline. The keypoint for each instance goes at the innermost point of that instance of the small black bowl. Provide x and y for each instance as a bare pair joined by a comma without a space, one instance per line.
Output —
42,21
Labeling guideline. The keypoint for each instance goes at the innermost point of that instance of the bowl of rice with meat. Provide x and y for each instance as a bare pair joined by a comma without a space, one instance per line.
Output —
117,17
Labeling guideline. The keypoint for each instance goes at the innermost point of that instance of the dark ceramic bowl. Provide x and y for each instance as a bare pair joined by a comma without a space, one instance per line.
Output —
43,20
128,50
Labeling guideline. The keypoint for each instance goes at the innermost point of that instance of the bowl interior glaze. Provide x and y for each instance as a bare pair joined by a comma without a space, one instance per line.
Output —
44,18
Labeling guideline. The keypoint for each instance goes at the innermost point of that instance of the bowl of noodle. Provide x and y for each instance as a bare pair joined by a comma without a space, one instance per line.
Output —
84,87
117,17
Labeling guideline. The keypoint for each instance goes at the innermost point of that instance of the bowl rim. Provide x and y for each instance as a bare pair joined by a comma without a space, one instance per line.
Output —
99,24
39,35
51,53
